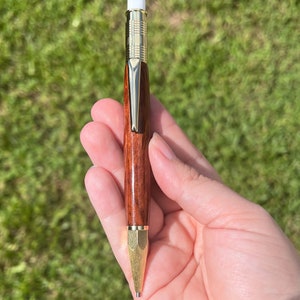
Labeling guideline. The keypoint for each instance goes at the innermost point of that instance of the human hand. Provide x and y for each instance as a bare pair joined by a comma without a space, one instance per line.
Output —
206,241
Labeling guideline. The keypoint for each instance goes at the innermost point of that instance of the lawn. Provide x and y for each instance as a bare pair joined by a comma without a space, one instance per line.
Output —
229,72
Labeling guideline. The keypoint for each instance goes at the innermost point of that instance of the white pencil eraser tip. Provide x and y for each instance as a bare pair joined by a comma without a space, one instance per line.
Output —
136,4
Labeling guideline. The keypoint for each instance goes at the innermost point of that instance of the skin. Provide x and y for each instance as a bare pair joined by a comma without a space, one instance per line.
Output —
206,241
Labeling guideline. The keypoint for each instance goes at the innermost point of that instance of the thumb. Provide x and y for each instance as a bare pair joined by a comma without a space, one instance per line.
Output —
210,202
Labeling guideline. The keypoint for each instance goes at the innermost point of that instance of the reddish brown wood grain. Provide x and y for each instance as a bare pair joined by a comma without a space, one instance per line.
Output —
137,167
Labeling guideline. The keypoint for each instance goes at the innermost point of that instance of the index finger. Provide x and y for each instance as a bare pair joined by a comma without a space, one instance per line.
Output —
110,112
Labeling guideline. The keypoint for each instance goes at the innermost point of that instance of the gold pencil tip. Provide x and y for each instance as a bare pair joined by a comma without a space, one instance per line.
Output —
138,250
138,294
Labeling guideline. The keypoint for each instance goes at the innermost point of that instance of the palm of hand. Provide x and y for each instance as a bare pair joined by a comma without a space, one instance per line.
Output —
174,261
189,260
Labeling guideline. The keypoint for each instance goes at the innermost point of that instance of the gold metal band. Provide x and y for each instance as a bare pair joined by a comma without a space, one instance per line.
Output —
135,227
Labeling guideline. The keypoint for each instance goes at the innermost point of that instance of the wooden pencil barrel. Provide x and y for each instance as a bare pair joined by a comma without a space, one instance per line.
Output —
137,166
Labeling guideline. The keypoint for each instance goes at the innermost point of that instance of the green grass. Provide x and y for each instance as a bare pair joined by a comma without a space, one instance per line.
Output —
227,70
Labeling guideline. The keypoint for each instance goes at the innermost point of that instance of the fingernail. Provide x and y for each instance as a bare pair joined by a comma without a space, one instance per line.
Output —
163,147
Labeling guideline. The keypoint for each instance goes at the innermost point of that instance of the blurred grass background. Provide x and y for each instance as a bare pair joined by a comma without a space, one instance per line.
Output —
229,72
